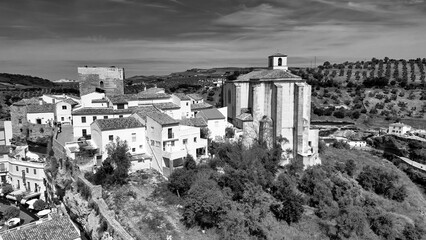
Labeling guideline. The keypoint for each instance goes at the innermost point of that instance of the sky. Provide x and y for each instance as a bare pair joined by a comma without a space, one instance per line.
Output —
51,38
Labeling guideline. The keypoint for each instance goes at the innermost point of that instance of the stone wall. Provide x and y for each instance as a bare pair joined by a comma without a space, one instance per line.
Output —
111,80
18,116
39,131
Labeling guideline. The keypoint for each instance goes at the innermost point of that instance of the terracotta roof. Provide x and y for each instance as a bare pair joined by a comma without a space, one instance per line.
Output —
245,117
161,118
124,98
27,101
270,74
194,122
195,96
166,106
118,123
102,100
44,108
71,101
57,228
149,95
200,106
102,111
4,149
278,55
182,96
211,114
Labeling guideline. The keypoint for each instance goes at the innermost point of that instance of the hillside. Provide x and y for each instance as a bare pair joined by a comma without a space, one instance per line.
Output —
8,80
371,93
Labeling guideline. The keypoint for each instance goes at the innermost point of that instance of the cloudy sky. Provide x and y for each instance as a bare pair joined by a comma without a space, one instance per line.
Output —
50,38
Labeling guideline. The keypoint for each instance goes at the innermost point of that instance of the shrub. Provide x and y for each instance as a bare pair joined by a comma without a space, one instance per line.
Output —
290,209
229,132
84,190
11,212
39,205
339,114
6,189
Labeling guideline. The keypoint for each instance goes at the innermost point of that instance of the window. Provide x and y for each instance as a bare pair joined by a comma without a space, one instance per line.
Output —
20,129
195,139
187,103
157,143
64,107
133,137
164,146
280,62
38,121
173,143
101,84
170,133
140,146
229,95
83,119
120,106
62,119
152,142
84,132
105,117
133,149
29,186
17,168
35,187
35,171
120,116
28,170
111,137
18,185
185,141
94,118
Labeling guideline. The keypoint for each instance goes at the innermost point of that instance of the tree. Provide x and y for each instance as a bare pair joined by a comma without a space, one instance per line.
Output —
351,220
6,189
39,205
11,212
205,133
229,132
350,167
290,208
189,163
180,181
115,169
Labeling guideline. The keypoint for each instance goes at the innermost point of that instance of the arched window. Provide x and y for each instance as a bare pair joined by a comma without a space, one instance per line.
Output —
280,62
101,84
229,95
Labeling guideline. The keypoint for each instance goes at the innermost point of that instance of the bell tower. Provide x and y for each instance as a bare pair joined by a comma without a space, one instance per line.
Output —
278,61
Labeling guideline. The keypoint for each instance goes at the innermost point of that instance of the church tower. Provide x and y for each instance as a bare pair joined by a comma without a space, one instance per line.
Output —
278,61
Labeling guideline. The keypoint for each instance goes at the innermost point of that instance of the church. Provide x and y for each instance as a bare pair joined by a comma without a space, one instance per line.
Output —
274,105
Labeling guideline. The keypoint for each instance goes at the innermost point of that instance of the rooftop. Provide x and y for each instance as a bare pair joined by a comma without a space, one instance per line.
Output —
200,106
118,123
44,108
27,101
278,55
270,74
166,106
182,96
71,101
150,95
194,122
102,100
212,114
161,118
101,111
57,228
399,124
195,96
122,99
245,117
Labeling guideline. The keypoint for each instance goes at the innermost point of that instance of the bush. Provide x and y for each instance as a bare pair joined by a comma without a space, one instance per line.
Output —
229,132
39,205
11,212
290,209
6,189
339,114
84,190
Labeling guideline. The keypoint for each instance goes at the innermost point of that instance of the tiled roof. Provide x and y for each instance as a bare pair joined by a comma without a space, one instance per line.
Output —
166,106
44,108
245,117
118,123
195,122
4,149
200,106
212,114
274,74
161,118
182,96
102,100
57,228
124,98
27,101
195,96
149,95
278,55
102,111
71,101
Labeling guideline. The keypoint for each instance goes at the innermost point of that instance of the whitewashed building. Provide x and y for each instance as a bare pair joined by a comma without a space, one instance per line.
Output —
216,122
399,128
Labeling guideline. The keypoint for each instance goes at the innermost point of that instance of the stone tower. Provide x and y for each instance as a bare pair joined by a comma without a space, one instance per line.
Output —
109,80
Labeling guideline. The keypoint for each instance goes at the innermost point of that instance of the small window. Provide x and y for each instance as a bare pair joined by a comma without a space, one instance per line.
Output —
111,137
133,137
187,104
38,121
64,107
62,119
229,96
28,171
133,149
195,139
20,129
94,118
185,141
84,132
83,119
105,117
35,171
101,84
173,143
17,168
280,61
120,116
152,143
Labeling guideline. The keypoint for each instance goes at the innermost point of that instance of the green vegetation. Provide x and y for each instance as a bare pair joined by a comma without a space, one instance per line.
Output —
11,212
39,205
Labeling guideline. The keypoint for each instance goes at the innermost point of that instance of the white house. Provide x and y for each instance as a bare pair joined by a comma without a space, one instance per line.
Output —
196,107
195,98
63,111
184,102
399,128
94,99
4,162
41,113
216,122
357,143
5,132
169,108
129,129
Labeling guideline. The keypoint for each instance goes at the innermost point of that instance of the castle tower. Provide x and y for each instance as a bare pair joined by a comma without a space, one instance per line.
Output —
109,80
278,61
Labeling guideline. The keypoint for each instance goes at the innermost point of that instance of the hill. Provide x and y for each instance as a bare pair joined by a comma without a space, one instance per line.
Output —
8,80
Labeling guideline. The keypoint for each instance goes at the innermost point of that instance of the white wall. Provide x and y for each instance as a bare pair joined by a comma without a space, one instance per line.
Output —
63,115
78,125
185,107
15,175
217,128
45,117
86,100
